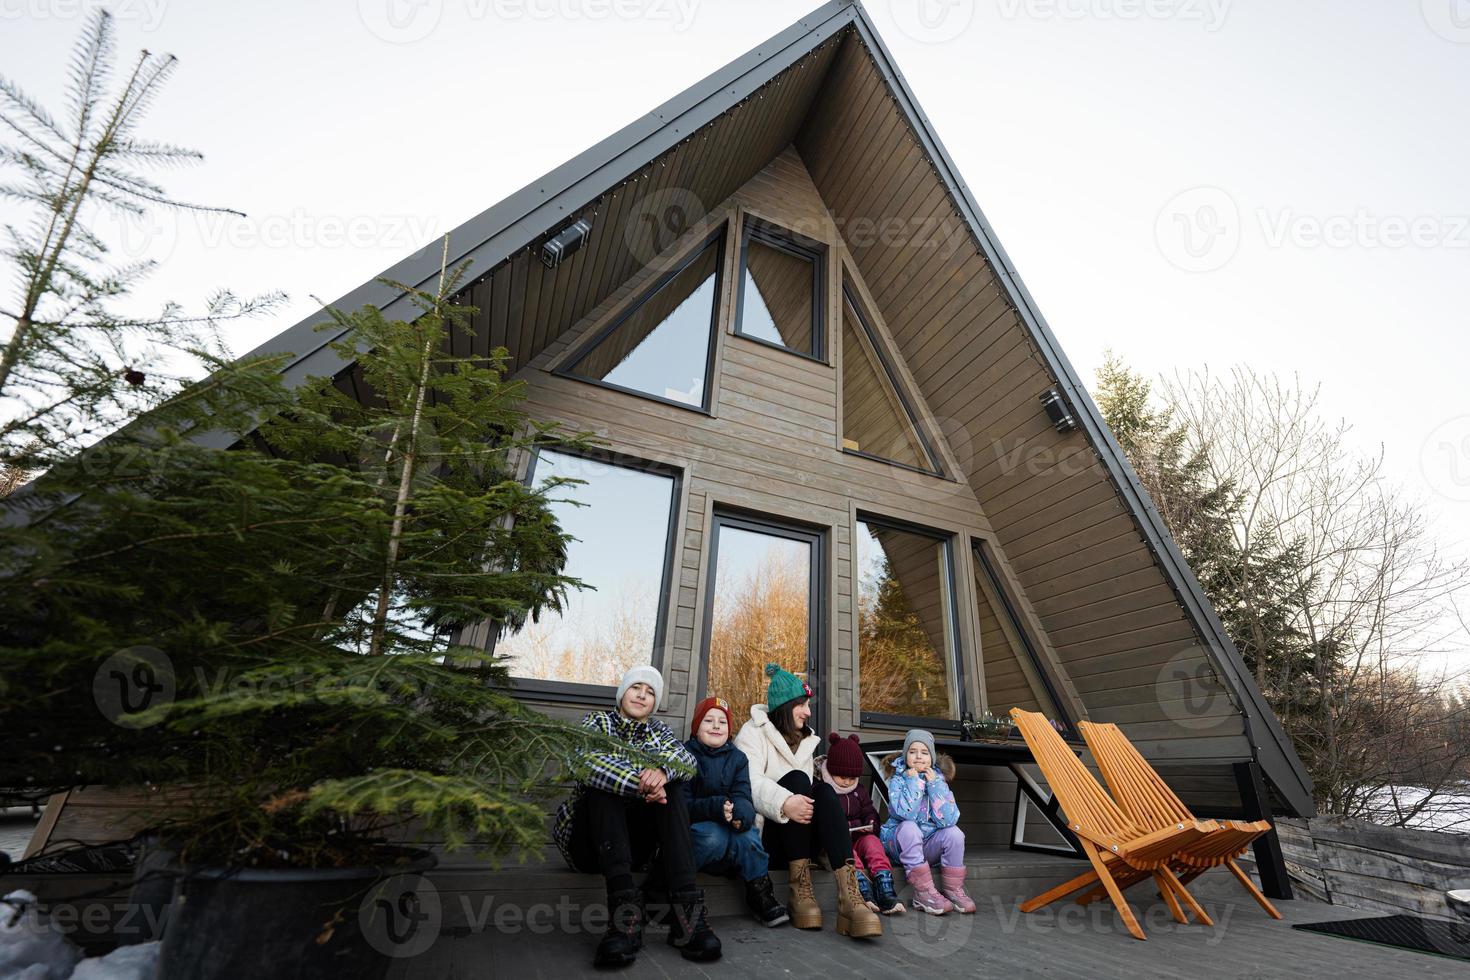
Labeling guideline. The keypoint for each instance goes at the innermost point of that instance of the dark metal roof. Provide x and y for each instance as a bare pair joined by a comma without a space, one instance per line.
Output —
497,233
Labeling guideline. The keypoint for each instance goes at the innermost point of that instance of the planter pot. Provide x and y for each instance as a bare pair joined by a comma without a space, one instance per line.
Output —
299,924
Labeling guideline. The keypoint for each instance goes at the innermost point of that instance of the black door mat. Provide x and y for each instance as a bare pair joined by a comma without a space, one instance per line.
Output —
1412,932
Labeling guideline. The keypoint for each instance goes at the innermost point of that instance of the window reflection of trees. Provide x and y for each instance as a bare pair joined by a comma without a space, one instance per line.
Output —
760,616
903,630
586,645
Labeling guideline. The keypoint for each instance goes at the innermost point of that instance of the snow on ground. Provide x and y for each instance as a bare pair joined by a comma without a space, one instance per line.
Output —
1447,813
32,948
15,834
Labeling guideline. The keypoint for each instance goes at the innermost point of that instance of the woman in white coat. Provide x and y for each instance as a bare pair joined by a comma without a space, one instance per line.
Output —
801,815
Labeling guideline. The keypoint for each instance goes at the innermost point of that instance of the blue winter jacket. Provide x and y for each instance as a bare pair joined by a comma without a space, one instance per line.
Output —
929,804
723,774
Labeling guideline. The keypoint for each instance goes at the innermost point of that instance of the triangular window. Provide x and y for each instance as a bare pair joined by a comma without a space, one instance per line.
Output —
1015,675
877,420
662,345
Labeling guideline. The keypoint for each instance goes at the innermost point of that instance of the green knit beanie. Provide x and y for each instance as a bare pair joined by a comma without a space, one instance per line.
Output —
785,686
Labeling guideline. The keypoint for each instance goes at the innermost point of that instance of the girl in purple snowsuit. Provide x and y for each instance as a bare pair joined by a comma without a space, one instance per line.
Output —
922,825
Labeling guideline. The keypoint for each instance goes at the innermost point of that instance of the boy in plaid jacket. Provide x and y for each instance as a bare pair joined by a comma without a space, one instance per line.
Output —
622,811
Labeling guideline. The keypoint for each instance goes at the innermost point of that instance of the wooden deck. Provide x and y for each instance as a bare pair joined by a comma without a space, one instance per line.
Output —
493,927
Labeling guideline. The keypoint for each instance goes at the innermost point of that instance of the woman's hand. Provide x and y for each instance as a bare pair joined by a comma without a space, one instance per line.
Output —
798,808
729,812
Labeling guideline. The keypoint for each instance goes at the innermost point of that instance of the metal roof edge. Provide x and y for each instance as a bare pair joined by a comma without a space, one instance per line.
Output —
1275,753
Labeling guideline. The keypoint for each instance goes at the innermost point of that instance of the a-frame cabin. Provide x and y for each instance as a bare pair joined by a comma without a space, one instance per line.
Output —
841,435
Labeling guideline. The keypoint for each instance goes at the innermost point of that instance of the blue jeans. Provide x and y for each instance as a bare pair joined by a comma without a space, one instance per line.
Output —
718,847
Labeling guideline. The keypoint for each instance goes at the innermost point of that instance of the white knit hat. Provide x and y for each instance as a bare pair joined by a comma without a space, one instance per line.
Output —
644,674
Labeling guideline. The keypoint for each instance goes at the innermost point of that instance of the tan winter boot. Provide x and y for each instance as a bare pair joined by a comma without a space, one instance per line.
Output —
854,918
801,901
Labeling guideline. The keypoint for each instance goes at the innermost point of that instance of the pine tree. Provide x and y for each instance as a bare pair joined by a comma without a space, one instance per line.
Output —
73,365
246,599
292,600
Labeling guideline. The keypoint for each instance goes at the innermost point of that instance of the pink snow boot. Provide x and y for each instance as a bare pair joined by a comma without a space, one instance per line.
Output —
954,888
926,898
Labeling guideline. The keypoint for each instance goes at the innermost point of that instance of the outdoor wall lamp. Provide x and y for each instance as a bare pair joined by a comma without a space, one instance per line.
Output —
555,249
1056,409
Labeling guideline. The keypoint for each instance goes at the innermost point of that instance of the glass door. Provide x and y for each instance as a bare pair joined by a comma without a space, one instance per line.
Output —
763,604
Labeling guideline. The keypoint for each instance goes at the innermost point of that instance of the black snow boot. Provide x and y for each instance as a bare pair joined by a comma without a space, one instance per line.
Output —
624,936
689,930
760,898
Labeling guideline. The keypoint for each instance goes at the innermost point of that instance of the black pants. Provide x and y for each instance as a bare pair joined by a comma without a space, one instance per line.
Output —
786,842
614,834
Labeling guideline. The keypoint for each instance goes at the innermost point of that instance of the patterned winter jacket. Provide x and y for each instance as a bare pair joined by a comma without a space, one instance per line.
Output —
930,804
618,773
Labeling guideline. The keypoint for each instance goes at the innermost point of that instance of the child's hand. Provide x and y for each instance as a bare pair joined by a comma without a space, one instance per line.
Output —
929,775
651,785
729,812
910,773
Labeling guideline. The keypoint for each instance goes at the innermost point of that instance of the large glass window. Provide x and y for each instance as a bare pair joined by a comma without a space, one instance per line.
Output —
780,290
762,608
905,624
876,419
1015,676
620,522
662,346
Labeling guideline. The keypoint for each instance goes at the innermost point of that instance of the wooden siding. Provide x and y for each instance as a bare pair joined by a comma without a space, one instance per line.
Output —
771,445
1101,606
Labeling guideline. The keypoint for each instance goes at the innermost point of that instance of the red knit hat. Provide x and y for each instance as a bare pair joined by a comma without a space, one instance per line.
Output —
845,756
704,707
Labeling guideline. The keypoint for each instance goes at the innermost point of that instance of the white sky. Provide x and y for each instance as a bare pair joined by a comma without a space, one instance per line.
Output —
1328,136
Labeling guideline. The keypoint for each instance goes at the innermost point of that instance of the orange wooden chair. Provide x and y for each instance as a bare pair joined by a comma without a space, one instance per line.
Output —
1144,796
1121,852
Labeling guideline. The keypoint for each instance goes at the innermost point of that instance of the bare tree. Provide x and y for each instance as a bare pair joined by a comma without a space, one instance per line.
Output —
1371,594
